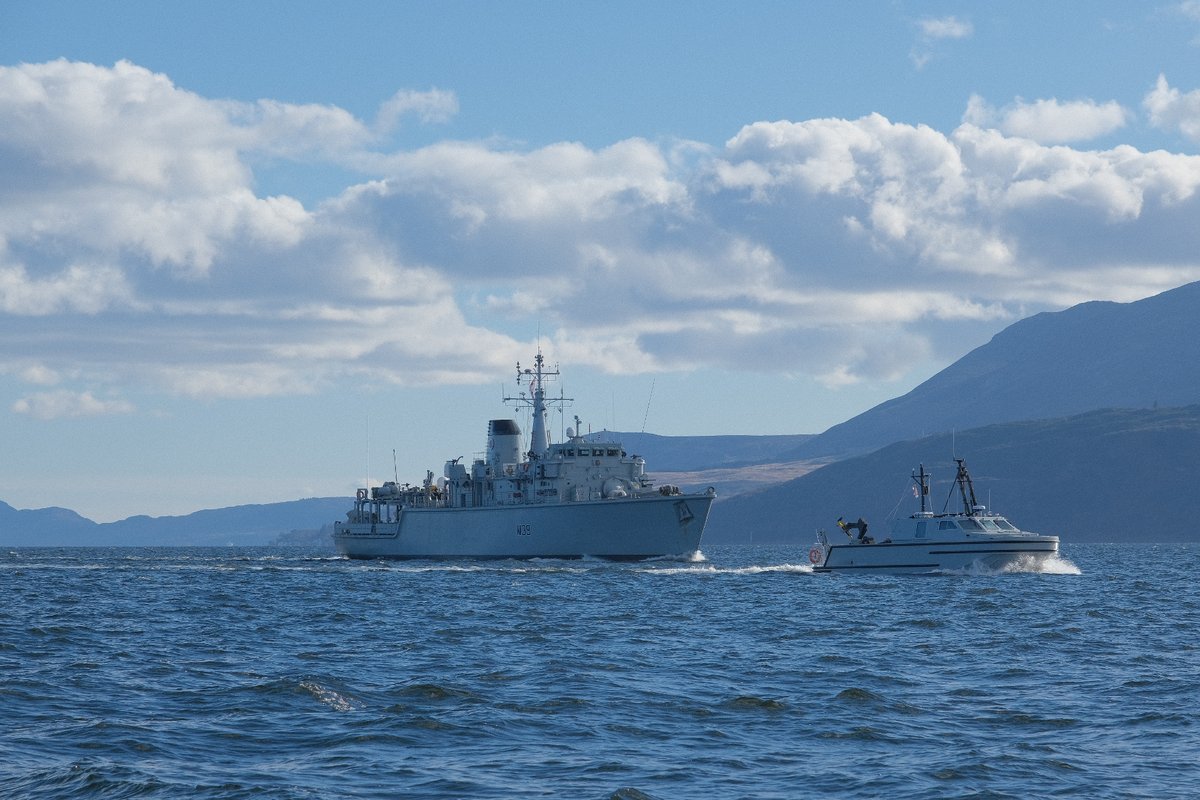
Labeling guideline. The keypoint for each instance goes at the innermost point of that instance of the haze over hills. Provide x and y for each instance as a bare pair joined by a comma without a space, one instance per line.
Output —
1111,475
1054,364
687,453
304,521
1027,409
237,525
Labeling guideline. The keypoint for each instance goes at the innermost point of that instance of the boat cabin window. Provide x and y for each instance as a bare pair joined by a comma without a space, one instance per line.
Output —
989,524
612,452
947,525
583,451
1005,525
970,525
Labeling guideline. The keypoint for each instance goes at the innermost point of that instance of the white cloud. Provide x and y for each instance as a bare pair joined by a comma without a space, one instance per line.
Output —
945,28
840,249
434,105
1049,121
293,131
117,163
557,182
65,403
1173,110
933,30
85,289
40,375
1190,9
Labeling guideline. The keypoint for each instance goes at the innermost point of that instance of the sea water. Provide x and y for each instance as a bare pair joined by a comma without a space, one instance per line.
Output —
267,673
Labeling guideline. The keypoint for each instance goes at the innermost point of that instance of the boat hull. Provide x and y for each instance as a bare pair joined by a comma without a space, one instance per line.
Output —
616,529
992,555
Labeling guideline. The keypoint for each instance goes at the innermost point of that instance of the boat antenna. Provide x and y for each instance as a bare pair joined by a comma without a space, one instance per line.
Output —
648,399
535,379
395,469
965,487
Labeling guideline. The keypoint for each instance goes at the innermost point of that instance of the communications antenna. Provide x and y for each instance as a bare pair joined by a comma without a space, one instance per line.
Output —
537,401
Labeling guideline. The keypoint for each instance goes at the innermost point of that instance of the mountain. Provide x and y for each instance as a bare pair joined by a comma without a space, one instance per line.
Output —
24,527
1090,356
248,524
241,525
1116,474
1111,475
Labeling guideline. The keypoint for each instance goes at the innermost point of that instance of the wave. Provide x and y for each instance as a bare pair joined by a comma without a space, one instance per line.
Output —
1053,565
331,697
1057,565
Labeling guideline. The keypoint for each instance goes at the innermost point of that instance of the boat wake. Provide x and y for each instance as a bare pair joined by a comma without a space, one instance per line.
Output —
1056,565
503,566
1053,565
694,557
712,569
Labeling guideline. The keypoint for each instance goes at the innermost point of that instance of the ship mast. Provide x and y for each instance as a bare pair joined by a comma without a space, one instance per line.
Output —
537,401
963,479
922,480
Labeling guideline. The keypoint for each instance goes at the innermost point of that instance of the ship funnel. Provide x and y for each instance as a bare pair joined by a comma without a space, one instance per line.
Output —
504,442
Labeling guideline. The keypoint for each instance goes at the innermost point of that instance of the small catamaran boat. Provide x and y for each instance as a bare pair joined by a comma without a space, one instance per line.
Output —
927,542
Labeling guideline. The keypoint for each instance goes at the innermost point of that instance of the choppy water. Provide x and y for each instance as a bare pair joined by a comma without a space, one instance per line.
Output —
179,673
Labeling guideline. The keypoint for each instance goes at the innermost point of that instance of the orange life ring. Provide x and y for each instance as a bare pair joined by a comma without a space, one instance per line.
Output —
816,555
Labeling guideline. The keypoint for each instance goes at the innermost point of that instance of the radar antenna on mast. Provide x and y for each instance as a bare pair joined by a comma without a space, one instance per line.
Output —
537,401
966,490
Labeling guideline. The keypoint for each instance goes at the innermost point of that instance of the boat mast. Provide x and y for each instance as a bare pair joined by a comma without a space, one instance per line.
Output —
922,480
965,487
539,439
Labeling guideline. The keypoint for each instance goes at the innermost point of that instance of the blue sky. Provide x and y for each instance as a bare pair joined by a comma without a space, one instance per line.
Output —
247,250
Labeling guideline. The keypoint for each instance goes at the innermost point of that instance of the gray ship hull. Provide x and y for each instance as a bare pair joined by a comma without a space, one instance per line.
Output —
617,529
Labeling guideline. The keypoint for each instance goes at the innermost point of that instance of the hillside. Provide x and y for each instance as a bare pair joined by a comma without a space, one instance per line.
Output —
1114,475
240,525
59,526
1091,356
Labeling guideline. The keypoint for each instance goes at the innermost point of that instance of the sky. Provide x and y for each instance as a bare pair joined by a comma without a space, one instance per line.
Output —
253,252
